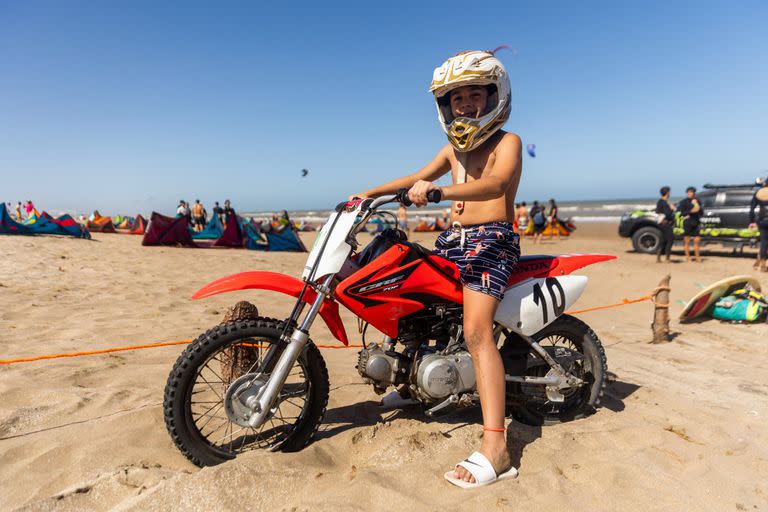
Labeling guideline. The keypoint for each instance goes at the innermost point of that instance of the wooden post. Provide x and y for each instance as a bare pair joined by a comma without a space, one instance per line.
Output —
660,298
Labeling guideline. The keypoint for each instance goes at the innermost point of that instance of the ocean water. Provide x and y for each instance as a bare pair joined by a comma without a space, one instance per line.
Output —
608,211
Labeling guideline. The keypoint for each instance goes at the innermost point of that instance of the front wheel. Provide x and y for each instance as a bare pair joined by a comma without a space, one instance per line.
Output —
194,405
587,361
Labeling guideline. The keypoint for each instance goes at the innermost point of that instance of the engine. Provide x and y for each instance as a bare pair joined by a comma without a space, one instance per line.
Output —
440,376
437,377
382,368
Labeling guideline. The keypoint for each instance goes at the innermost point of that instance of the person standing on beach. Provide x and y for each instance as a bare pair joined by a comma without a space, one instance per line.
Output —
402,219
218,212
522,218
666,213
760,221
198,220
28,207
472,95
690,209
554,222
180,209
18,211
539,219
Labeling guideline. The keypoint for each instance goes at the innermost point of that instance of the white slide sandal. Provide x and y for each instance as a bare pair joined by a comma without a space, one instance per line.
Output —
481,468
393,400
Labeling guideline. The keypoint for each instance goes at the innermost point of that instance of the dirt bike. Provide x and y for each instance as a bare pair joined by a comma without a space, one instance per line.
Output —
262,383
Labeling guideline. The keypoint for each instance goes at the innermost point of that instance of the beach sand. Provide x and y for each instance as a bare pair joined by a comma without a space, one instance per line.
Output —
682,426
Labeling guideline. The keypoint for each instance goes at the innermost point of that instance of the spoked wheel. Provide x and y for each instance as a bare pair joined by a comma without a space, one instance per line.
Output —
578,350
206,393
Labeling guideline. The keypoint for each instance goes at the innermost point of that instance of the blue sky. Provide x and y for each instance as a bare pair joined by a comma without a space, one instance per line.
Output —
130,106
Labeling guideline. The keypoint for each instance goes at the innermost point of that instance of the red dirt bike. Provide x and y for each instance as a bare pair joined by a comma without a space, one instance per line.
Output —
262,383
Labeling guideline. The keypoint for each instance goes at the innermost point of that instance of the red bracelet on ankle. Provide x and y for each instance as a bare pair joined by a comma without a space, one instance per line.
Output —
491,429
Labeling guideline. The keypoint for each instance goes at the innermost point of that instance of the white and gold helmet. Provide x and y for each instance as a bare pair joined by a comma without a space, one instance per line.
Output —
474,67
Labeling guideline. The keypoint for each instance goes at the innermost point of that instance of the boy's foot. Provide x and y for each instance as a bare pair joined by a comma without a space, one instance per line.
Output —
477,470
498,456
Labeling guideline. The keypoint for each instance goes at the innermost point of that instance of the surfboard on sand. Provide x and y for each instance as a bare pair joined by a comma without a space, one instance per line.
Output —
701,302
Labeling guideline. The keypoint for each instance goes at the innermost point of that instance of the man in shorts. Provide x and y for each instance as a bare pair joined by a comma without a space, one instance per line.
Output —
472,94
690,209
198,218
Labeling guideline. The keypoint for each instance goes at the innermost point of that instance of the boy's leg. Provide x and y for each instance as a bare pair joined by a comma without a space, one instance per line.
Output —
686,247
479,310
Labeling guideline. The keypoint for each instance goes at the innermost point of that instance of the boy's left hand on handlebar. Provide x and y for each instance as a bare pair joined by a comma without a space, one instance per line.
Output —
418,192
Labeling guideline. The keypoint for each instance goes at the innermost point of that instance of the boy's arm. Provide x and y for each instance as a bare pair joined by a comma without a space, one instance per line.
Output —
430,172
505,172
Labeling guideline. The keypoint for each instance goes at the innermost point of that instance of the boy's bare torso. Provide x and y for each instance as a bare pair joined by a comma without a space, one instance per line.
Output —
478,162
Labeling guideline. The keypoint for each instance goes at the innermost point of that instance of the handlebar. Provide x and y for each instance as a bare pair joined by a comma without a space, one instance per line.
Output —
433,196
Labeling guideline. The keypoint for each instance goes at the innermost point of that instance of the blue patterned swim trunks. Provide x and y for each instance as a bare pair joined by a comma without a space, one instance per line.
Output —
485,254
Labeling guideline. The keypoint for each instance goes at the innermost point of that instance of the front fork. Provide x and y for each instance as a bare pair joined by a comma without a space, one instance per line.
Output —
262,402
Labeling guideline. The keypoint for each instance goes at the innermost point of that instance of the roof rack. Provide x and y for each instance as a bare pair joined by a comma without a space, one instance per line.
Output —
747,185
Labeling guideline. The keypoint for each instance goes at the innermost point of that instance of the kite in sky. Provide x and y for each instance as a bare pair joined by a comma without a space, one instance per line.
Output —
304,173
531,148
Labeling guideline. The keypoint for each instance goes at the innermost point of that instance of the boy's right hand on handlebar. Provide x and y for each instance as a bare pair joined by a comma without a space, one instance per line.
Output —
418,192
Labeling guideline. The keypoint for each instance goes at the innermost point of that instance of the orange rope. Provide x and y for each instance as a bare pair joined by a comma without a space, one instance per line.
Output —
622,303
187,342
94,352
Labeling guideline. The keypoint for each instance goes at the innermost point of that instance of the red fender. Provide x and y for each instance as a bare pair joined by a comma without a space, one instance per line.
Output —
553,266
567,263
282,283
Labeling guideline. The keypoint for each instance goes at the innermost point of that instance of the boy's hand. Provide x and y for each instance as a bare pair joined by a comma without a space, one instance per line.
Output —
361,195
418,192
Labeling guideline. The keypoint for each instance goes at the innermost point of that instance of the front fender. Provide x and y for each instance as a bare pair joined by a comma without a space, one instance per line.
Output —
282,283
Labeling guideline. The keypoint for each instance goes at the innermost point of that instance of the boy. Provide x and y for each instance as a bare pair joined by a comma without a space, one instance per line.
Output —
690,209
473,98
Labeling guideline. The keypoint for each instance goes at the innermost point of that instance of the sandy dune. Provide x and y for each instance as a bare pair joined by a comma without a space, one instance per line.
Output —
682,426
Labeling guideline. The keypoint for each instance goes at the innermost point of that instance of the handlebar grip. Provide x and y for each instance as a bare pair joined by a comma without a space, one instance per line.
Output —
402,197
435,196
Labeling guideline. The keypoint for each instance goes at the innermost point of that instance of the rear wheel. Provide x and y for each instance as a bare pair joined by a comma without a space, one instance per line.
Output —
588,363
194,404
647,240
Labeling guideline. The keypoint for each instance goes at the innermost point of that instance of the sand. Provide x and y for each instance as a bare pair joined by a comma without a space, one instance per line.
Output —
682,426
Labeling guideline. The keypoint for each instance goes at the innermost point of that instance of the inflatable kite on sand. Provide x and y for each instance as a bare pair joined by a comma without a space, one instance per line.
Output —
101,224
164,230
43,224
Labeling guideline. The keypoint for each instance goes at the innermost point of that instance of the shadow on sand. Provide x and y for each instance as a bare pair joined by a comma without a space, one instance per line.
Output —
519,435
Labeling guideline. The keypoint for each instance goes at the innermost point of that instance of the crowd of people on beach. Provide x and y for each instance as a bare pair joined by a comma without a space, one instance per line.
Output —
197,215
539,216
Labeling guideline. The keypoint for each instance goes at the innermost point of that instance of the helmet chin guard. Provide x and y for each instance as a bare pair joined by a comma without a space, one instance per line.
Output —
472,68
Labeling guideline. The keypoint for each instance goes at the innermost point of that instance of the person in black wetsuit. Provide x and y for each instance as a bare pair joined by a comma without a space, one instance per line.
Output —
666,223
228,211
760,221
690,209
218,211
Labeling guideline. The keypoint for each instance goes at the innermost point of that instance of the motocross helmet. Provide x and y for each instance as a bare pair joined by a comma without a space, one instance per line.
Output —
474,67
